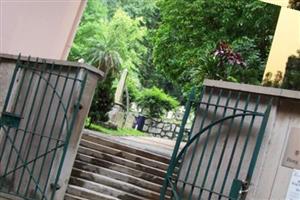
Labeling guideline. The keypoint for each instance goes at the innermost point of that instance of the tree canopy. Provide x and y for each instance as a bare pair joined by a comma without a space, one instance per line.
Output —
174,45
190,31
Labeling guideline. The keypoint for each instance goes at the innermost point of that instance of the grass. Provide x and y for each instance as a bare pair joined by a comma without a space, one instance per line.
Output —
119,132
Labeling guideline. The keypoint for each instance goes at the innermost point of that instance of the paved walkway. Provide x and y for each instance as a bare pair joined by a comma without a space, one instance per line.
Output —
152,144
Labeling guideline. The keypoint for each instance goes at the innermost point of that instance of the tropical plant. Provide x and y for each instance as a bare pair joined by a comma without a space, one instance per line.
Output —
154,102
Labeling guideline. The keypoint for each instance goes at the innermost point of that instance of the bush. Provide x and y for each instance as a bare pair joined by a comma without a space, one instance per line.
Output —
154,102
103,100
292,76
294,4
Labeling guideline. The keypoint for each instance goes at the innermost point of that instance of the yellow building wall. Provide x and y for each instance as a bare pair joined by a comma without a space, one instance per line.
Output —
283,3
286,40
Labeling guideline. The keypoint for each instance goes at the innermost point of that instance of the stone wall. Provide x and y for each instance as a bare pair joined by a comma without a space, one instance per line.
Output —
163,129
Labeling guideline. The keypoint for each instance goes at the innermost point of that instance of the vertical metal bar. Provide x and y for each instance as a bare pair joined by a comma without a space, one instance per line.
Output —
27,127
198,139
226,140
69,133
12,83
247,138
36,124
214,147
177,145
192,128
18,65
61,131
51,130
16,132
259,142
212,153
196,111
235,144
196,143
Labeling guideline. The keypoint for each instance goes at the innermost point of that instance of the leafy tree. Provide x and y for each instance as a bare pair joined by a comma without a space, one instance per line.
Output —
89,30
110,45
190,30
155,102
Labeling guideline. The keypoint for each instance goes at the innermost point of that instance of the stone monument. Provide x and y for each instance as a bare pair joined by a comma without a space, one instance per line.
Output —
117,114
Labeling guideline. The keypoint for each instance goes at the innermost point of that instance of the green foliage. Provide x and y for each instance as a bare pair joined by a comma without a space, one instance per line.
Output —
133,89
268,80
119,132
89,30
294,4
155,102
190,30
292,76
103,100
110,44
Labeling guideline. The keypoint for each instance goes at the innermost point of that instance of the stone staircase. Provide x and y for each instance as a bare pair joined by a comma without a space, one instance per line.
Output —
109,170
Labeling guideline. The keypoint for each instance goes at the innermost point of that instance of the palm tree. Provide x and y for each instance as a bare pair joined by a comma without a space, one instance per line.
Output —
105,56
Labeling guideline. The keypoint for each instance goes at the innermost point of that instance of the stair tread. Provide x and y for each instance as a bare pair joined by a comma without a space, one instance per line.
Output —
76,191
115,144
123,154
122,161
119,168
118,175
104,189
114,183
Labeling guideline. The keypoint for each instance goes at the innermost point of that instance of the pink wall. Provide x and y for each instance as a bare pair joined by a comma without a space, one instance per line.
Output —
40,28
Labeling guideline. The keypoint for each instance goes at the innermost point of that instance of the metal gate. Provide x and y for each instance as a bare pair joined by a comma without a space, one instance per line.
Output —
36,124
219,157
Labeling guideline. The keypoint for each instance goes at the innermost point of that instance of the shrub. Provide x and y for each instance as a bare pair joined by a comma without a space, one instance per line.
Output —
292,76
154,102
294,4
103,100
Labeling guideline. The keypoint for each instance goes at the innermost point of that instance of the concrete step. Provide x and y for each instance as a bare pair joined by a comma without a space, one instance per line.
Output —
119,168
103,189
116,184
124,154
80,193
125,177
116,145
122,161
73,197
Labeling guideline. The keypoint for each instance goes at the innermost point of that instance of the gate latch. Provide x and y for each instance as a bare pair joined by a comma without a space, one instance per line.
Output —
239,189
10,120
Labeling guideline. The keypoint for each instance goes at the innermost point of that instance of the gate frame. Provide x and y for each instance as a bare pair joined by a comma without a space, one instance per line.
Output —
239,188
72,133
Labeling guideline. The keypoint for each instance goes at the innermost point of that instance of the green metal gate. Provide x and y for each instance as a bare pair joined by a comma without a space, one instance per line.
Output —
35,127
219,158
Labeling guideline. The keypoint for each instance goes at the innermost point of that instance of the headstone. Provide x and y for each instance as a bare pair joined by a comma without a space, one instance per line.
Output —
130,120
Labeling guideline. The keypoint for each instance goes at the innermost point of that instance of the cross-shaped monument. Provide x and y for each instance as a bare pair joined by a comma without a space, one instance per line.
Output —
286,40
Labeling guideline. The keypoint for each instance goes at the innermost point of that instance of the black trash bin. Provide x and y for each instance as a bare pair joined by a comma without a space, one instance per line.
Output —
140,121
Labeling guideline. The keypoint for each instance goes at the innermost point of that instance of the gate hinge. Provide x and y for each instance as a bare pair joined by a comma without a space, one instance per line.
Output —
10,120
